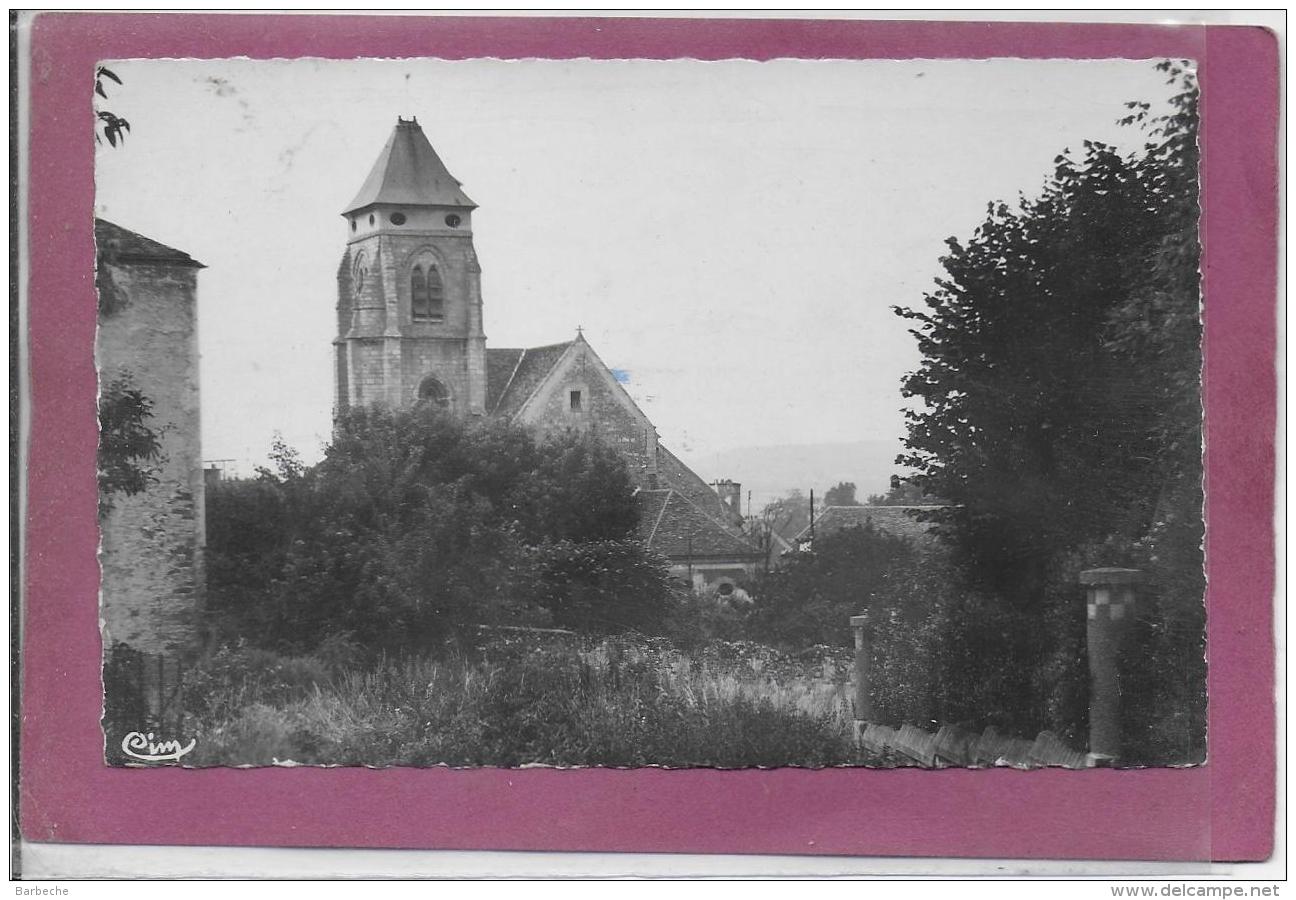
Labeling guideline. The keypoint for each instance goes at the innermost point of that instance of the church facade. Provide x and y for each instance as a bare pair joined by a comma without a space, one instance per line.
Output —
410,330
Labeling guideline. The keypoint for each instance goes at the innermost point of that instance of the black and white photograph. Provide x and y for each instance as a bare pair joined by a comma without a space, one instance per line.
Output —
625,413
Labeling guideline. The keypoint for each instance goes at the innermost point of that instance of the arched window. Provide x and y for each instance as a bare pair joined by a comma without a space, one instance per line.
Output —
359,274
427,293
433,392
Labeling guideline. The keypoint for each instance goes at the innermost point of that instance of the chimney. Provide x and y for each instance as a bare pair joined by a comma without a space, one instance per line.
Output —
731,493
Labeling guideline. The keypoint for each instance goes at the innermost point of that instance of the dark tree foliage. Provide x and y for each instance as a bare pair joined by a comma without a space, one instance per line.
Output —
416,524
603,586
811,597
128,447
903,492
841,494
1060,407
1060,379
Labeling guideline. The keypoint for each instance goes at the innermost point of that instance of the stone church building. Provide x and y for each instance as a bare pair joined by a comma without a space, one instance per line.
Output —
410,330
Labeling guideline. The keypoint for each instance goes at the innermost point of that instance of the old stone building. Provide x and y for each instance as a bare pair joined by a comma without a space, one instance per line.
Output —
151,539
410,330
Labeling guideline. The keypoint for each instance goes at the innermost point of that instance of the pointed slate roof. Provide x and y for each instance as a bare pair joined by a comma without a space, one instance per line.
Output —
409,172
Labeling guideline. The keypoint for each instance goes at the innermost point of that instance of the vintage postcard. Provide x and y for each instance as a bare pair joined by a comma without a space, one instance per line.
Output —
650,413
617,435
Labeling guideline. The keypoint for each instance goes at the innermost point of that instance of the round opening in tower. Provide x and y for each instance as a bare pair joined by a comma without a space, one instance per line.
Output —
452,220
397,218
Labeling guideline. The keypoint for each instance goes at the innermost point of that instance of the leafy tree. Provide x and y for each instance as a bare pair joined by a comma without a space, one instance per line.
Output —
788,515
416,524
1043,416
902,492
603,586
129,448
841,494
810,599
1059,399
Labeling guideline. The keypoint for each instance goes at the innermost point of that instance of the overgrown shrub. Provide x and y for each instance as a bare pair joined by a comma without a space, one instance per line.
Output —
603,586
417,525
810,599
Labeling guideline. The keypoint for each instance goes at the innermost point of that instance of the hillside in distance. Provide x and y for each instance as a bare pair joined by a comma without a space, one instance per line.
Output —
772,472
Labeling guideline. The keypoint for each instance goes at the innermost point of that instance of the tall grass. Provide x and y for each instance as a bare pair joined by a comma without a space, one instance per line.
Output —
528,701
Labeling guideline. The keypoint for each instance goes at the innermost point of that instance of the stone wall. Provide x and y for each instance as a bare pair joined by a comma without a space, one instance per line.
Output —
151,551
604,412
387,353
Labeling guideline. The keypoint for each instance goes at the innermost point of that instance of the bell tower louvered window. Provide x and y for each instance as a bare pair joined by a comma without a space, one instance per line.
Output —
427,293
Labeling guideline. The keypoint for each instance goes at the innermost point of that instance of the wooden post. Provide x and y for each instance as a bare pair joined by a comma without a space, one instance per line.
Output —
863,664
1111,595
812,518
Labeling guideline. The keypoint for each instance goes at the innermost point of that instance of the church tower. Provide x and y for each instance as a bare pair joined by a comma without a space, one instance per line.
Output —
409,287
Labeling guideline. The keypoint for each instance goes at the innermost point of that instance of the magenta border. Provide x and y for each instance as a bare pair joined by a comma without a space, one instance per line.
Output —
1223,811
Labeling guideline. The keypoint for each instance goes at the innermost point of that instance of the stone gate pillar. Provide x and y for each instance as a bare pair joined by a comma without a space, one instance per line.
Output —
863,668
1110,607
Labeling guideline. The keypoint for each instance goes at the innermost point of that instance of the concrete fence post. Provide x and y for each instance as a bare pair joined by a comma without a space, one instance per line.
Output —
1110,606
863,664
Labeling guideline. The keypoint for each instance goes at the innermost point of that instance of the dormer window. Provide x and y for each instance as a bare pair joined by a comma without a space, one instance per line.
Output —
427,293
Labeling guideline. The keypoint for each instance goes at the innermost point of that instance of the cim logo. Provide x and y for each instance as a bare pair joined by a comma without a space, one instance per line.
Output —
141,746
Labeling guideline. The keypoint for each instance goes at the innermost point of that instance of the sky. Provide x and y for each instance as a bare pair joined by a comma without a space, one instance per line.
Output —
733,235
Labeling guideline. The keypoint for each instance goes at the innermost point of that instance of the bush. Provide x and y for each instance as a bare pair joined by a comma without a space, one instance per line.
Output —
417,525
811,598
603,586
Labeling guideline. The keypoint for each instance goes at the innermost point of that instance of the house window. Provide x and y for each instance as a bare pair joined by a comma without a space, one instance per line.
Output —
575,401
427,293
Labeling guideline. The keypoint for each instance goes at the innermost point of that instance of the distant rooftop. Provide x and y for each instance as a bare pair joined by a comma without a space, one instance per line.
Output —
672,525
899,521
121,245
408,172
